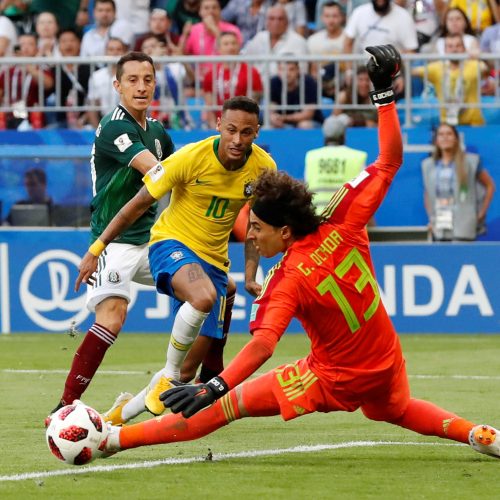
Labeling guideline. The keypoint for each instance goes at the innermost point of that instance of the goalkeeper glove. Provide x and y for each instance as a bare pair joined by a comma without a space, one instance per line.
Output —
190,399
383,66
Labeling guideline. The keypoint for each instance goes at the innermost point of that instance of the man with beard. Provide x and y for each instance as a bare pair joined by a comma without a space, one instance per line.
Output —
380,22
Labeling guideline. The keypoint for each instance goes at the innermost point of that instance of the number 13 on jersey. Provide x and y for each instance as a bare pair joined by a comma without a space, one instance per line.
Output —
330,285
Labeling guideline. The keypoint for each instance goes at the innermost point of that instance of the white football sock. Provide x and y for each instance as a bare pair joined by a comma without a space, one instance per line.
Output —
135,406
187,324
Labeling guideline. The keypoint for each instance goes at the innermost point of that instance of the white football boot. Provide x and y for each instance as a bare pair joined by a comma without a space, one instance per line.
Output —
485,439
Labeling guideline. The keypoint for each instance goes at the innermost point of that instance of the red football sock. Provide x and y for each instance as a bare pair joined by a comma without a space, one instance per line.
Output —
172,428
87,359
431,420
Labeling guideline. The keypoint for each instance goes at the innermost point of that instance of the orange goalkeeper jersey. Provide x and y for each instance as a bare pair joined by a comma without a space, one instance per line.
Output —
326,279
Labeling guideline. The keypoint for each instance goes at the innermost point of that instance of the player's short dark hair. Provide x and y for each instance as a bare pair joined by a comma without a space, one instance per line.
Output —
36,174
332,3
31,34
291,198
112,2
241,103
132,56
69,30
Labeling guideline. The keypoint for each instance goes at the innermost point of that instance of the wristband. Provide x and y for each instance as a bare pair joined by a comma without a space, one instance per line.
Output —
382,96
218,386
96,248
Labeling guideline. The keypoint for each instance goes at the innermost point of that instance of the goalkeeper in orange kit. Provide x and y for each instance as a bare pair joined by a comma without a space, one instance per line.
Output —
326,280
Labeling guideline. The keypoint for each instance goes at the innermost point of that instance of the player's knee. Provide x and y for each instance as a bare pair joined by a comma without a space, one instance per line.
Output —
111,314
386,414
231,287
204,299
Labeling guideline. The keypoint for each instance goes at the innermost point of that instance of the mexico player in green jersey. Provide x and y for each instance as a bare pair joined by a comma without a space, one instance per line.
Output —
127,145
210,181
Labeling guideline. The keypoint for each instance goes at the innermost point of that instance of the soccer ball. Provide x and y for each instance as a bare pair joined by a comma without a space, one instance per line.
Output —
76,434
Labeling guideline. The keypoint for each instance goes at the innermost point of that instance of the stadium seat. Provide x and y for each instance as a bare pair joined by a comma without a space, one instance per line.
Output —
491,115
70,216
327,106
428,117
195,114
30,215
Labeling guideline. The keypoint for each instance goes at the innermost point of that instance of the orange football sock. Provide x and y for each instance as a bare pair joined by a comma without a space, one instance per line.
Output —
171,428
431,420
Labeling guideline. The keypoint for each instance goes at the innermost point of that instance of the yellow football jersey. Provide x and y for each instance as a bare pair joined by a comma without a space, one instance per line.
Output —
206,198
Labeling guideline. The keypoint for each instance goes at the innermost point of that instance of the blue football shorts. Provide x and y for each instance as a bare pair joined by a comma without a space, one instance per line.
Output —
166,258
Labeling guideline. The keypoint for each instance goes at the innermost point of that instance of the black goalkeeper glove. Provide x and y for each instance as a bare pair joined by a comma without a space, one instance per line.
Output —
190,399
383,66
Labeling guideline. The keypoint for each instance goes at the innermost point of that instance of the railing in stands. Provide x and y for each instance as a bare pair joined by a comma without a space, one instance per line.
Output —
417,102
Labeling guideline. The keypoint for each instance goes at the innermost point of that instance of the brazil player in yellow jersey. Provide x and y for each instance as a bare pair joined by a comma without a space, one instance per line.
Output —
210,181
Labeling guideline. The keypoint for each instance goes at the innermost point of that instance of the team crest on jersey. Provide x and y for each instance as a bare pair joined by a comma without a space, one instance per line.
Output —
159,152
113,277
248,189
177,255
123,142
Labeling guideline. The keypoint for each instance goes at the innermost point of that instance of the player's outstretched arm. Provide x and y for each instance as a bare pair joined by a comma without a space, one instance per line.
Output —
121,221
190,399
383,67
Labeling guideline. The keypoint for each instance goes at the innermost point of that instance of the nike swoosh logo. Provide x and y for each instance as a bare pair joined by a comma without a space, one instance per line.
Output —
200,182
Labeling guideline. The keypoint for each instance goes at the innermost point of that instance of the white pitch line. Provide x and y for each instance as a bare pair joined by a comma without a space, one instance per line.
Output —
216,457
458,377
137,372
48,372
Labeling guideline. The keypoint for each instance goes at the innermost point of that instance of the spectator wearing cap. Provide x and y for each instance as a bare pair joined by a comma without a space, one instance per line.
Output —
328,168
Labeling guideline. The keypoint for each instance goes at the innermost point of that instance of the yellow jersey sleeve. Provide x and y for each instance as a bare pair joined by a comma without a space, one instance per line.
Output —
206,198
172,171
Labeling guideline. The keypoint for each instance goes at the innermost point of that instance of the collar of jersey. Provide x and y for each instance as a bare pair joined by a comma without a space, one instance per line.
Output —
216,149
132,118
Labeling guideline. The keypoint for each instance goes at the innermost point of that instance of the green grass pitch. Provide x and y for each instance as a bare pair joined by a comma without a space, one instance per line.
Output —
458,372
